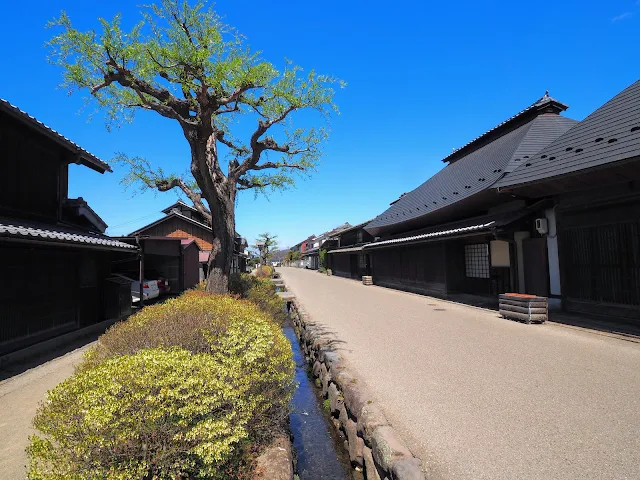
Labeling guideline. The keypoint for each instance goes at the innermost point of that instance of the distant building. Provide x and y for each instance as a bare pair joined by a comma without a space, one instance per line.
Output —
184,222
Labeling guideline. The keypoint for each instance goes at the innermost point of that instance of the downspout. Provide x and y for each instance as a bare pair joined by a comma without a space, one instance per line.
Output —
141,272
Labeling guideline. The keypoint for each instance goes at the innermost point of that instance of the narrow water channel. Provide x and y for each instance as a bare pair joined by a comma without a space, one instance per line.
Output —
318,452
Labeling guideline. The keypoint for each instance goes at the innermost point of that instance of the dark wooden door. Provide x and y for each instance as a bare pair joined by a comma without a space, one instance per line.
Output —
536,266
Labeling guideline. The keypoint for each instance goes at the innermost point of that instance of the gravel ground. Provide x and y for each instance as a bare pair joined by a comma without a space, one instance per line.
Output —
19,399
479,397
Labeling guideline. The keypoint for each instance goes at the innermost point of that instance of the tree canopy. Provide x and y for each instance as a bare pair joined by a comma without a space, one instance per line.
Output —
183,63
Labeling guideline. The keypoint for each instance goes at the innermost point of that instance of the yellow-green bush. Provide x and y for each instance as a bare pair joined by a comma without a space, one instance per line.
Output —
158,414
241,338
264,271
260,291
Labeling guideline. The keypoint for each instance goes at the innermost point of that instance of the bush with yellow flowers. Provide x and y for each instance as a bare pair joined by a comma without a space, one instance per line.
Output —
248,360
160,414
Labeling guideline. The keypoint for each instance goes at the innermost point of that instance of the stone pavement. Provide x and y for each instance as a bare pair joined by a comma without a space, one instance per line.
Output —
479,397
19,399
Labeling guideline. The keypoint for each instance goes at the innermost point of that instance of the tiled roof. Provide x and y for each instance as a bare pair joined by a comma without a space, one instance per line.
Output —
172,214
610,134
441,233
475,172
13,228
89,159
347,250
544,103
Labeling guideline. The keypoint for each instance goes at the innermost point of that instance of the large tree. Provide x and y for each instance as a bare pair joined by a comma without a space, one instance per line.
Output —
181,62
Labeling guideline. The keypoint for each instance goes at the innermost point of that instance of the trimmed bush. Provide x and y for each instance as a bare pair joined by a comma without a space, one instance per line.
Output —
260,291
157,414
242,339
264,271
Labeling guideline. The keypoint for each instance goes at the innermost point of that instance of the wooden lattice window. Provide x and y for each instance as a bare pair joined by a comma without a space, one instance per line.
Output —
476,260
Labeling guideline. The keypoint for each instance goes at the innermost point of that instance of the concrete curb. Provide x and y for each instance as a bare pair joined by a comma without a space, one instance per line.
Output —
373,445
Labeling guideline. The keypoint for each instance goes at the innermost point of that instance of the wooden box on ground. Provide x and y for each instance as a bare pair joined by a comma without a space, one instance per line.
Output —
526,308
367,280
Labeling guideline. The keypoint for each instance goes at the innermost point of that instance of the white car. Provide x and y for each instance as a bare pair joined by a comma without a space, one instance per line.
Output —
150,288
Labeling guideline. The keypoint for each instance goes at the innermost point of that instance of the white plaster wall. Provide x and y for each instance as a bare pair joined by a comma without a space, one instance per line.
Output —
554,261
518,237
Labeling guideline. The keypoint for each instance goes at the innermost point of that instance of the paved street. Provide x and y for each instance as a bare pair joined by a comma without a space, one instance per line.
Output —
19,399
479,397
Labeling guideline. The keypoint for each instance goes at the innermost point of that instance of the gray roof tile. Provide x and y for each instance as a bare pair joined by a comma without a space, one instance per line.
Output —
425,236
545,103
475,172
14,228
609,134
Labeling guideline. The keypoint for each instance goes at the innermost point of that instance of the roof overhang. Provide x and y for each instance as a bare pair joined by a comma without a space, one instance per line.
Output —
173,214
462,228
78,154
347,249
13,230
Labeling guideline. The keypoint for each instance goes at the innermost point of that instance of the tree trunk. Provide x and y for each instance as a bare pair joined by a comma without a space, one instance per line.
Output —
224,232
220,194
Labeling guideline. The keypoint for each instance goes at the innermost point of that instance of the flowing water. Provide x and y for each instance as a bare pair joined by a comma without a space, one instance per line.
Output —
319,453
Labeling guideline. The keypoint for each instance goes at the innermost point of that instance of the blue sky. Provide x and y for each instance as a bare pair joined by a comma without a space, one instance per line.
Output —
423,78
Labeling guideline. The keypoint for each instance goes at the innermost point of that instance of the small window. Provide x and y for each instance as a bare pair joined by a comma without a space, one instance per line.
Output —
362,261
476,260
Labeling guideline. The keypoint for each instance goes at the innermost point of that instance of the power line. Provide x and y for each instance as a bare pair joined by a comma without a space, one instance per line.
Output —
134,220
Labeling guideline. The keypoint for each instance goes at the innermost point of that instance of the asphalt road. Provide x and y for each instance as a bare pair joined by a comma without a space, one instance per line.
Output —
479,397
19,399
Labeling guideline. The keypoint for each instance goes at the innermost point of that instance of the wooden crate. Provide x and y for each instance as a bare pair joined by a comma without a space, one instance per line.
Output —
367,280
526,308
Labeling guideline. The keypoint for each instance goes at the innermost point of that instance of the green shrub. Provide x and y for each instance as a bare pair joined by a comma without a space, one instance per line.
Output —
161,414
264,271
251,349
260,291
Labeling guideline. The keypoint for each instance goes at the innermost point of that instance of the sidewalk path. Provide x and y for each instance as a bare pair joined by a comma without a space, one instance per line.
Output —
479,397
19,399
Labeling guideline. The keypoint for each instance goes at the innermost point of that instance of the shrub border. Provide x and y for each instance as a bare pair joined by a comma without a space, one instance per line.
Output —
372,442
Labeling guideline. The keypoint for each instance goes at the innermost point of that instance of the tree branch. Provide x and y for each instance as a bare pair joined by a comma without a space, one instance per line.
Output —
166,104
164,185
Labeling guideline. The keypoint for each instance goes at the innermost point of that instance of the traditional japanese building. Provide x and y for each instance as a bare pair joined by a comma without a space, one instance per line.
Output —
55,261
184,222
455,234
589,233
347,257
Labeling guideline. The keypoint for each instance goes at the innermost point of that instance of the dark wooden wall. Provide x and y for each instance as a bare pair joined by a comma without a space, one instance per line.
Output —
191,266
354,237
420,269
31,171
599,249
341,265
51,291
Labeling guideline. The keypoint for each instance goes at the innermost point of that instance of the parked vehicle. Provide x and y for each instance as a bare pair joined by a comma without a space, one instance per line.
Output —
150,288
163,283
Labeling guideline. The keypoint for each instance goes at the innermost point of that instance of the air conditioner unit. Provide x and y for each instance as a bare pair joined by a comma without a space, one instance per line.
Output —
542,226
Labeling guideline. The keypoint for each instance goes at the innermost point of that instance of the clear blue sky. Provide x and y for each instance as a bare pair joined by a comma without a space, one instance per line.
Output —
423,78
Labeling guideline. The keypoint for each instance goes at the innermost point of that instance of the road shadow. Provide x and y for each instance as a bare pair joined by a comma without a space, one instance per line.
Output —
20,366
630,331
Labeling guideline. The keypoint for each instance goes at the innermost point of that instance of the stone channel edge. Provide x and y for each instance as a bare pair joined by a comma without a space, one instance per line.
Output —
373,444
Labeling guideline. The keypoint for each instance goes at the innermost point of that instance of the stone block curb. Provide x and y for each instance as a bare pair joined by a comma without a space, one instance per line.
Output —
372,443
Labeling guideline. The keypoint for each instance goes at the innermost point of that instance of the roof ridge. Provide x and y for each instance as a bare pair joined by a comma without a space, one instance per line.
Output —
538,104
